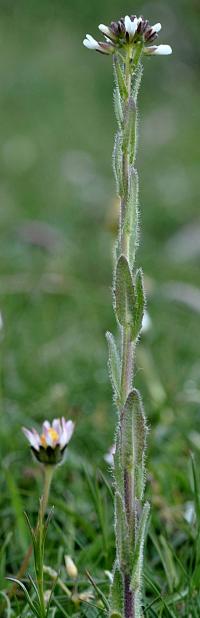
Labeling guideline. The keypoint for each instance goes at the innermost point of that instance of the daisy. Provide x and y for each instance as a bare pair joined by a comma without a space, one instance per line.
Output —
49,446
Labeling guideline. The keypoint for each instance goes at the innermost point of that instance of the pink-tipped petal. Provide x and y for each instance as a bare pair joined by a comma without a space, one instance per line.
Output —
47,435
67,431
57,426
33,438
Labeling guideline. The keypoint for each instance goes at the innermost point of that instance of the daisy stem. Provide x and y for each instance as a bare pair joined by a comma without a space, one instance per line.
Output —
48,475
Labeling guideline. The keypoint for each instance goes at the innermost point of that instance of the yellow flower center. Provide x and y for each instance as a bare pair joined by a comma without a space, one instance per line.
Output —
53,434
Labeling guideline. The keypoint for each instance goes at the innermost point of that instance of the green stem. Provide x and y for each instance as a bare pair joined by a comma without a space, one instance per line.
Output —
40,532
48,475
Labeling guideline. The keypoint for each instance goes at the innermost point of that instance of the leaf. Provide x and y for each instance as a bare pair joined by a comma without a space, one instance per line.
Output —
98,590
121,531
134,432
116,599
28,598
166,557
196,489
34,586
118,106
114,365
51,595
8,609
130,227
119,475
137,566
139,304
32,532
170,568
137,81
124,293
128,145
117,164
119,78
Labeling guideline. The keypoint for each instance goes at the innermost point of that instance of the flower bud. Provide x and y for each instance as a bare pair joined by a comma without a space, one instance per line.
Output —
71,568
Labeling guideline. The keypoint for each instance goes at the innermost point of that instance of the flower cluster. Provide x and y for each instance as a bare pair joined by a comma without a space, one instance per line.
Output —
128,31
49,447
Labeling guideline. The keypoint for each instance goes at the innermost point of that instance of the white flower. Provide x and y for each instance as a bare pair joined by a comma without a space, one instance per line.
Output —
158,50
49,447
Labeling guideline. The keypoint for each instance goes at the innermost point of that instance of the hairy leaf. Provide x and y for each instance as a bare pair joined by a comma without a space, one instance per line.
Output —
134,433
139,549
118,106
114,365
119,78
121,531
116,593
117,163
130,227
124,293
139,304
128,145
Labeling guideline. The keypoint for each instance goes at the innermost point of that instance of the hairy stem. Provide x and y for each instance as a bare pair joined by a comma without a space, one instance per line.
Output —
127,522
127,359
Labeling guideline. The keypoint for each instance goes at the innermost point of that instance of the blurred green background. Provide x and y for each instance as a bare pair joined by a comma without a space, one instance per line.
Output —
58,218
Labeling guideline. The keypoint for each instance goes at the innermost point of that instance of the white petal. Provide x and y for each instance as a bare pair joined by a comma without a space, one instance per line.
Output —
48,437
128,24
134,25
158,50
87,44
156,28
33,438
90,42
67,431
104,29
57,426
163,50
46,425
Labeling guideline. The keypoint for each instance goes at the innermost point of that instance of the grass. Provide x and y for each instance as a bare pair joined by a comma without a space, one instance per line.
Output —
56,132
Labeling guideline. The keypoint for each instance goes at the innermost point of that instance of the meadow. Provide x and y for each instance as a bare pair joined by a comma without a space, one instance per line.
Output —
58,221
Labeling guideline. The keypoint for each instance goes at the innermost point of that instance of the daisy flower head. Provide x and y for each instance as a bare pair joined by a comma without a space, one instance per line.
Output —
49,446
128,31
